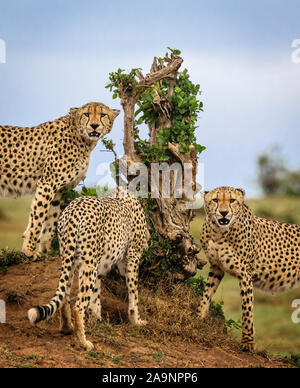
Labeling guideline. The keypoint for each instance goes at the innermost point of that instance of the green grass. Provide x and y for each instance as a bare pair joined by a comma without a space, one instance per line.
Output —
93,354
275,330
158,356
284,209
13,221
10,257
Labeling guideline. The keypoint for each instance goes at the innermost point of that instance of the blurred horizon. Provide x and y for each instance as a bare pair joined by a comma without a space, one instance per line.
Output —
59,55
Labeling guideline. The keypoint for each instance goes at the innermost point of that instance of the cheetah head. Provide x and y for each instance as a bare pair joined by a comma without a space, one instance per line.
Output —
223,205
94,120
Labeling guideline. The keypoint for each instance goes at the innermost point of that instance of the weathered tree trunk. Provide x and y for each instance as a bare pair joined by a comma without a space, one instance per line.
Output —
173,217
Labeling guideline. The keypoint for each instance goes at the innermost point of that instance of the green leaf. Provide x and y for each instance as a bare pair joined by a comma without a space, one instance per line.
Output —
138,111
184,148
174,51
140,121
199,148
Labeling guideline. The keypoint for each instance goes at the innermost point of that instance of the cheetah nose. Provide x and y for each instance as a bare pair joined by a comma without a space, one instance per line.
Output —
95,126
224,214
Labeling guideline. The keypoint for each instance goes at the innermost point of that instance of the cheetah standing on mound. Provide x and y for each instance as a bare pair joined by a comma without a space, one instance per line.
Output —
260,253
47,158
95,234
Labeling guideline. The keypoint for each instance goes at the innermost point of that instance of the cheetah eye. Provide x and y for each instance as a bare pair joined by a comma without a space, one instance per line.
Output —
87,114
215,200
103,115
232,200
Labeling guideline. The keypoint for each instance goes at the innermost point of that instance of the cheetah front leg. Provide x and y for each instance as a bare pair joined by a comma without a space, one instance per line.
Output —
49,226
248,332
39,210
131,276
214,279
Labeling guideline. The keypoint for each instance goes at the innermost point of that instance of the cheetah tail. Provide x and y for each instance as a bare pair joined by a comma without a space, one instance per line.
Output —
41,313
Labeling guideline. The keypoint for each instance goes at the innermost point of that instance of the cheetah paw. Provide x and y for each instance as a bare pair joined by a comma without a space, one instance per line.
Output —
37,257
248,347
88,346
141,322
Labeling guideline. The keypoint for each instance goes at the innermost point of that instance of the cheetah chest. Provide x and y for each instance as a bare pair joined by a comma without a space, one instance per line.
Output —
212,253
79,173
223,256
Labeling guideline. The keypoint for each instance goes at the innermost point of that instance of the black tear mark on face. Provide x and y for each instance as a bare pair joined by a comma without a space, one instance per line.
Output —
102,116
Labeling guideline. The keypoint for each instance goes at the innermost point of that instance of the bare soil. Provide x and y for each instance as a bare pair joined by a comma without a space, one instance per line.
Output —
117,343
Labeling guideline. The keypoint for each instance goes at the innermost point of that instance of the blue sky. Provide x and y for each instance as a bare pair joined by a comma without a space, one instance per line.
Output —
60,52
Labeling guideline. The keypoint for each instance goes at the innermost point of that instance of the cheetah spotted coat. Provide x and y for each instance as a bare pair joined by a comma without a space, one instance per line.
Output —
95,234
46,159
260,253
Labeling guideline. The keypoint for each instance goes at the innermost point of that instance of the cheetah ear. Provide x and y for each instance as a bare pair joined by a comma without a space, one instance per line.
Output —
203,193
73,110
115,113
242,191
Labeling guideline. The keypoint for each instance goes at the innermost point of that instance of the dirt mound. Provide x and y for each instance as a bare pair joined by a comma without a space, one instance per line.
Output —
117,343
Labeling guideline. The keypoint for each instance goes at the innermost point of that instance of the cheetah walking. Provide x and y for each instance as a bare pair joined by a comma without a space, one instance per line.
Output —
46,159
95,234
258,252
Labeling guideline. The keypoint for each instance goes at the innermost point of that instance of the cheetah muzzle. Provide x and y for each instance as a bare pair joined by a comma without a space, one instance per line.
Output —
223,221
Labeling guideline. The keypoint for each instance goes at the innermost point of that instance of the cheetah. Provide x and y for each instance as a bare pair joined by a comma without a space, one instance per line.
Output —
46,159
258,252
94,234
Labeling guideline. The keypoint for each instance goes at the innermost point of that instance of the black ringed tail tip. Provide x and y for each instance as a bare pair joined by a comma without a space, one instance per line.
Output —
38,314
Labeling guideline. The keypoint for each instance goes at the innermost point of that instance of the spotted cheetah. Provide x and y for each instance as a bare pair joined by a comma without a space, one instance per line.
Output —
46,159
94,234
258,252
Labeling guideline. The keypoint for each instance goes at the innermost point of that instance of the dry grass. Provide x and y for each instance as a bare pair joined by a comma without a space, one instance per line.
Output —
171,312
